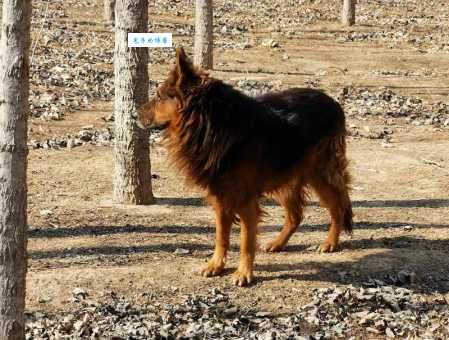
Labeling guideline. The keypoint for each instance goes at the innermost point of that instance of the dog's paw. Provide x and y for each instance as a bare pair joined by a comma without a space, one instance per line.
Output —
212,269
273,246
327,247
242,278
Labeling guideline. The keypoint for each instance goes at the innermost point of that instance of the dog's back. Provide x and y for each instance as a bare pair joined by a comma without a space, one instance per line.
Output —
309,114
294,121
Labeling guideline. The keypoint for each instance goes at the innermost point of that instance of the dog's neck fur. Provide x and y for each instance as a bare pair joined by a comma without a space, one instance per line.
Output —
200,138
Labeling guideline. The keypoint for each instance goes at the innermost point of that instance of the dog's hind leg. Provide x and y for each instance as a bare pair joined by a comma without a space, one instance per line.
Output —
249,216
224,218
293,199
336,200
332,187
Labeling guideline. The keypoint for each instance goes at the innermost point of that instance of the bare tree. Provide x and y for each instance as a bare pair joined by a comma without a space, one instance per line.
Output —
204,43
109,11
132,182
14,91
348,12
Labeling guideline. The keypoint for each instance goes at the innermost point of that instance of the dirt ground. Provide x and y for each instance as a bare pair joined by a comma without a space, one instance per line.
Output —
78,238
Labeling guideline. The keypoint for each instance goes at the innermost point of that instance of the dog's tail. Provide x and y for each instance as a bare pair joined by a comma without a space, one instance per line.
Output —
347,218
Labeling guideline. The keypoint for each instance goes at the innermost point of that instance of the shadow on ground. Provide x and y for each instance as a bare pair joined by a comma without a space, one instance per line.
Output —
418,203
118,250
429,259
60,232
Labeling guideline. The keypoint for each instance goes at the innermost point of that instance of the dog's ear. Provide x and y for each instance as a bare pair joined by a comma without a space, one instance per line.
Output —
186,73
183,63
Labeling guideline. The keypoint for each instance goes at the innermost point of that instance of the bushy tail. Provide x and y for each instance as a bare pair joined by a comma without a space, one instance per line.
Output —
347,219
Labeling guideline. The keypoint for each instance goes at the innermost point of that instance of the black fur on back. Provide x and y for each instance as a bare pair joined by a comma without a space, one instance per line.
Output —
221,127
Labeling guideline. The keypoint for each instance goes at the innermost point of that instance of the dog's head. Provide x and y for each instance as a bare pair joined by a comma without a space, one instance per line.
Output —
172,95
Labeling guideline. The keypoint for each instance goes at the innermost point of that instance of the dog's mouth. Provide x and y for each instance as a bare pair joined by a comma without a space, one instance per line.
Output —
152,126
140,125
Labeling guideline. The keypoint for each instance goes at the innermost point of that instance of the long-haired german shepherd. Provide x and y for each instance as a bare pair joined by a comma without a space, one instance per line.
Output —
240,148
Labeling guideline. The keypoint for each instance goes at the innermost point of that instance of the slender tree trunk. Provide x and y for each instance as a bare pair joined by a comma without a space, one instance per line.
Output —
132,182
204,43
14,91
109,11
348,12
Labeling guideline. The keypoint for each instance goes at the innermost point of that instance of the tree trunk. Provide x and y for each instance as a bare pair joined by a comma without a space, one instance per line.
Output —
348,12
204,43
14,91
109,11
132,182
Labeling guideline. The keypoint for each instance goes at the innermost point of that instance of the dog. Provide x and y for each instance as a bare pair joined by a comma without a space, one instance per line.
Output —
240,149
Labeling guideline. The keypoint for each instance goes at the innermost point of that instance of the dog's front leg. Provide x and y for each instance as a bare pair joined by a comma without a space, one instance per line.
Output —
223,223
249,215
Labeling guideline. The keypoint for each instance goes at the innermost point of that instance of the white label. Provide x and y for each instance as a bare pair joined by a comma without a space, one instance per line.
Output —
149,40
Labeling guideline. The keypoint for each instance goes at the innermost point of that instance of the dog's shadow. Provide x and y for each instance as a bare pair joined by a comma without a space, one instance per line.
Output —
428,259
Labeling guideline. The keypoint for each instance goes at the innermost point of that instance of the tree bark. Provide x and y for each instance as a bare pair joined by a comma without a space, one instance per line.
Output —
109,11
348,12
204,44
132,182
14,91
